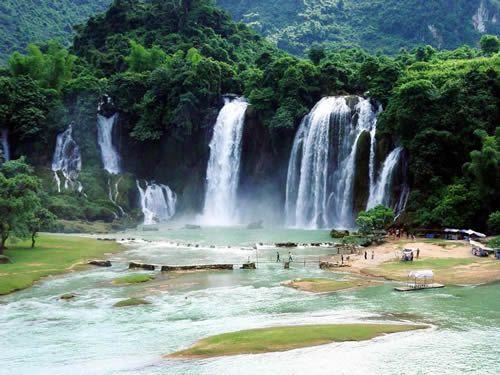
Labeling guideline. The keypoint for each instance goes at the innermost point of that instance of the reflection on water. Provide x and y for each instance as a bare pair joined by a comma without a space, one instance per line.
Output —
42,334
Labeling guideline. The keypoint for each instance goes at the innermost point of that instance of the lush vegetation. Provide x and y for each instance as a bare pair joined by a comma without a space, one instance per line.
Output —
286,338
165,65
53,255
378,218
376,25
30,21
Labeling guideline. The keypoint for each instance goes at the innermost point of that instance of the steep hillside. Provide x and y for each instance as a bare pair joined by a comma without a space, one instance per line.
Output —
385,25
31,21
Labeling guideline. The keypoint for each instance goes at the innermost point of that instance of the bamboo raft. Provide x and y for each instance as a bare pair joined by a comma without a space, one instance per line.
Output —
418,287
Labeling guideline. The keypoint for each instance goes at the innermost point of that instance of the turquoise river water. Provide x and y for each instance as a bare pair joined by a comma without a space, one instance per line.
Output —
41,334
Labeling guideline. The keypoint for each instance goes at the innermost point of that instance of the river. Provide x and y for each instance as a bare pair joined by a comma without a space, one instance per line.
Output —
45,335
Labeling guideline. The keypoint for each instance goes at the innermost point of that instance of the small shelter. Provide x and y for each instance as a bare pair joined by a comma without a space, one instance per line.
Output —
419,279
461,234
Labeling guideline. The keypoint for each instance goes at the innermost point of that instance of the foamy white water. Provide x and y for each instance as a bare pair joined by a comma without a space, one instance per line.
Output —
223,171
109,154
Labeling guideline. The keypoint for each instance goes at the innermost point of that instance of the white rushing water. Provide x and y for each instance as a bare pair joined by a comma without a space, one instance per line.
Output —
223,171
157,202
381,193
109,154
4,135
67,160
322,167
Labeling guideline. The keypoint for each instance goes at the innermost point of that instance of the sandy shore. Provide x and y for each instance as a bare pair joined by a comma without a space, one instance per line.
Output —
451,261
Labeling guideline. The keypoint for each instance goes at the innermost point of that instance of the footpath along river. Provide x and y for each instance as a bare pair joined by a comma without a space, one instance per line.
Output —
42,334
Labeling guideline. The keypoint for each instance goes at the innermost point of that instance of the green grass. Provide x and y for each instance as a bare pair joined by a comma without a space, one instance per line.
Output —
131,302
320,285
432,263
53,254
287,338
135,278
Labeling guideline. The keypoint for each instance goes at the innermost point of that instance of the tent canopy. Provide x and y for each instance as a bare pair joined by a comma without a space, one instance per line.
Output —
421,274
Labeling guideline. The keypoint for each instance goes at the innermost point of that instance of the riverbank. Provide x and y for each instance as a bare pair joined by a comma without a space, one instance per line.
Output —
278,339
451,261
54,254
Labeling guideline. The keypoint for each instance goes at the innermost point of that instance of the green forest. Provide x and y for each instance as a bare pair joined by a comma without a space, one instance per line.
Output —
383,26
165,66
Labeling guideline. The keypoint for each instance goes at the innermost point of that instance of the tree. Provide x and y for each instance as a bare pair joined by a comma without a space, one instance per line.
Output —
316,53
143,59
494,222
490,44
41,219
378,218
19,200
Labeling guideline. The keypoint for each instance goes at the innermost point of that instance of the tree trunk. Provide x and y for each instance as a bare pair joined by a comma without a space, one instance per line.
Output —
33,239
3,239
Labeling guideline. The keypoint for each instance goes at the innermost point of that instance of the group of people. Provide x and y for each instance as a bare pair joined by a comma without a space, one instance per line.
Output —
400,233
290,257
366,255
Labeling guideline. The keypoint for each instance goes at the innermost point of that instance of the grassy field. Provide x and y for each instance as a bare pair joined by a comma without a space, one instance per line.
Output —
322,285
286,338
135,278
53,254
446,270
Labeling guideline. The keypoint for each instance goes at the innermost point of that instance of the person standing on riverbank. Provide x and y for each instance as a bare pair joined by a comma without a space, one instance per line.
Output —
290,258
277,257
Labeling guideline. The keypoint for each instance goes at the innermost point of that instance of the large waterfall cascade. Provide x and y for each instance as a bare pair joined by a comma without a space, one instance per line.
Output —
67,160
157,202
4,138
109,154
322,167
223,171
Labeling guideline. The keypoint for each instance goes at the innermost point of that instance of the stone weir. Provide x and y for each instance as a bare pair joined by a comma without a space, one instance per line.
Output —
197,267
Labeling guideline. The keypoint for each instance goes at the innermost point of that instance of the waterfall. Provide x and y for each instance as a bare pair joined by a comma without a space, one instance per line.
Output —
223,169
5,144
110,157
322,166
67,160
381,193
113,192
157,203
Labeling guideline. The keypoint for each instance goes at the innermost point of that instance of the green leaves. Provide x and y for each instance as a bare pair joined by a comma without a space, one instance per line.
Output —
378,218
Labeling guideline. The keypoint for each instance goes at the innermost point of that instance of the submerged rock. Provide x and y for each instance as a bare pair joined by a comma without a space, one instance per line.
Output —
149,267
192,226
67,297
286,244
100,263
131,302
248,266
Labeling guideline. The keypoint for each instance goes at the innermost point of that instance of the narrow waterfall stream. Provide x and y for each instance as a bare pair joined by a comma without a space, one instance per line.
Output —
4,138
223,171
322,166
157,202
67,160
109,154
381,192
